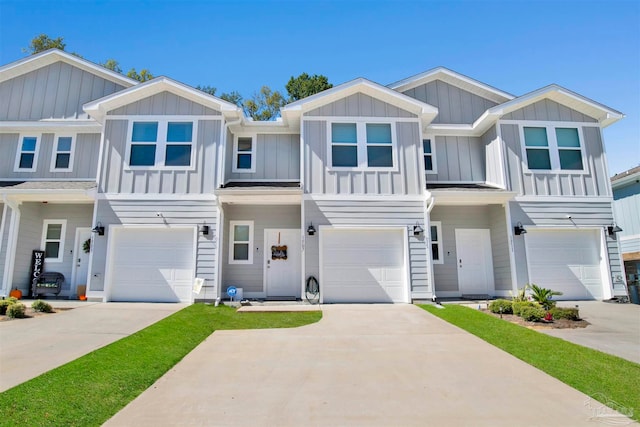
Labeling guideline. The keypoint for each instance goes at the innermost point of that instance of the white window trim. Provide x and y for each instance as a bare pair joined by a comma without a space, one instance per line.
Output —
361,143
161,142
234,160
45,225
554,150
34,166
439,242
434,163
55,152
232,225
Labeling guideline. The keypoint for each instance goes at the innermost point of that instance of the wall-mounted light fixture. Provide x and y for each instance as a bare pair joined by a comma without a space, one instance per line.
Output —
204,229
613,229
417,230
519,229
98,229
311,230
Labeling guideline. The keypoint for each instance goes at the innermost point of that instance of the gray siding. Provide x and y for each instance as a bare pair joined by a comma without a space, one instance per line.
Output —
500,248
85,162
6,221
165,103
277,158
594,182
405,180
548,110
626,209
494,161
174,212
459,158
455,105
370,213
116,179
359,105
56,91
250,277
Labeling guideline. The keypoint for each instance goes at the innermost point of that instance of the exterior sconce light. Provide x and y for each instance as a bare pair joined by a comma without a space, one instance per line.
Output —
613,229
519,229
417,230
204,229
98,229
311,230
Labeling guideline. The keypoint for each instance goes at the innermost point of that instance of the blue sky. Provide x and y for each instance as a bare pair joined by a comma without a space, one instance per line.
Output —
590,47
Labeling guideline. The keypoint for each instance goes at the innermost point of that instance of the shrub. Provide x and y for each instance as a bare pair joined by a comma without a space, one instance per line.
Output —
532,314
565,313
521,296
16,310
12,300
518,306
543,296
495,306
3,306
42,306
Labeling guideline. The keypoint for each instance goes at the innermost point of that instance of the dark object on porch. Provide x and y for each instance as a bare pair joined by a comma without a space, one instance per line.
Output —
49,283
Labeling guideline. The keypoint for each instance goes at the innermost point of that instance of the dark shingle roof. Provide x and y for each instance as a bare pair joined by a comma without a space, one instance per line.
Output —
47,185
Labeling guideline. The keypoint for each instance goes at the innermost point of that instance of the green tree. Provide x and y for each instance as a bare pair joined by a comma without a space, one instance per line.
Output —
113,65
305,85
233,97
144,75
44,42
207,89
264,105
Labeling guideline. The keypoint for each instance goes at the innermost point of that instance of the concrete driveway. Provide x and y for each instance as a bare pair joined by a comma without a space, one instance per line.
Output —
31,347
368,365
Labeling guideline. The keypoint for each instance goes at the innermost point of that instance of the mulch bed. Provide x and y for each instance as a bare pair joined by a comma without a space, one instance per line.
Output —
555,324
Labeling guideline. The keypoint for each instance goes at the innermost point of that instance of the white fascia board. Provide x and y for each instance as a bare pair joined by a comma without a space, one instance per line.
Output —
84,126
479,127
52,196
471,197
260,197
264,127
39,60
621,182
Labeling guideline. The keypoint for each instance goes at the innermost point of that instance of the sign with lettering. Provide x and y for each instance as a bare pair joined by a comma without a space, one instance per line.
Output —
37,264
279,252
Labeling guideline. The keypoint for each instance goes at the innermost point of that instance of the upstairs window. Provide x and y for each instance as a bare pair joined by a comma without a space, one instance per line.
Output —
53,232
244,158
435,236
551,148
344,145
569,150
379,145
361,145
27,154
161,144
429,160
144,138
62,159
538,156
179,136
241,242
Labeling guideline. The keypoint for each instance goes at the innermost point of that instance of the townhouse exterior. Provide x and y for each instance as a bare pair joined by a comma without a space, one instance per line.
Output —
434,186
626,209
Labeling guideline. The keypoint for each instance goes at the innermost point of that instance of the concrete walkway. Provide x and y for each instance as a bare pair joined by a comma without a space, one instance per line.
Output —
361,365
31,347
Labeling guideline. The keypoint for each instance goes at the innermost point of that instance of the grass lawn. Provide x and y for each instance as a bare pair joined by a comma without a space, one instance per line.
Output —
91,389
604,377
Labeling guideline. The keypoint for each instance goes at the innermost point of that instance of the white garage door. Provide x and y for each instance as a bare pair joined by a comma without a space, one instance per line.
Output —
567,261
361,265
152,264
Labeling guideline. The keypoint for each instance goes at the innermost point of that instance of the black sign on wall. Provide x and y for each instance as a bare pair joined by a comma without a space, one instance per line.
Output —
37,265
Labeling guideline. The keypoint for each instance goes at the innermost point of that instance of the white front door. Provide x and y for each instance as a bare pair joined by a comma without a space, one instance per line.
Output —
475,261
81,258
282,262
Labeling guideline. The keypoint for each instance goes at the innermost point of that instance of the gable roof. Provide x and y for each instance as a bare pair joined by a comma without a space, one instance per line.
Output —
456,79
99,108
48,57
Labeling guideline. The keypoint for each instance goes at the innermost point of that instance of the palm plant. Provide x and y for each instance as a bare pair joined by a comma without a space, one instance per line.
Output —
543,296
521,296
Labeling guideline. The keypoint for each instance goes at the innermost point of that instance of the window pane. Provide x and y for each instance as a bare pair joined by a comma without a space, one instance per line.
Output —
62,161
379,156
64,143
244,161
570,159
538,159
179,132
29,144
244,144
426,145
54,231
344,156
145,132
344,132
51,249
434,233
241,233
434,252
428,164
535,137
26,161
143,155
241,252
567,137
378,133
178,155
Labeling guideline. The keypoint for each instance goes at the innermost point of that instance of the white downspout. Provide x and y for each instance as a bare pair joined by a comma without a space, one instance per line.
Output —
223,156
12,242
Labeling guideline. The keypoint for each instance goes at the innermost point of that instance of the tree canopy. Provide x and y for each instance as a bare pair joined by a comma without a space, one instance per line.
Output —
305,85
144,75
44,42
264,105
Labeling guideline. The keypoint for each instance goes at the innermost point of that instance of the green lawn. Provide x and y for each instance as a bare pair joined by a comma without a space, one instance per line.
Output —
91,389
604,377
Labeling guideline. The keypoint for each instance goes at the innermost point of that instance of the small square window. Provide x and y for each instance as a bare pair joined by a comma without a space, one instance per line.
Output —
244,153
26,156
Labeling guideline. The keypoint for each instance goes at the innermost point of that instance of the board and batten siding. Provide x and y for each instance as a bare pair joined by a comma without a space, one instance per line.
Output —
116,178
250,277
85,158
388,213
455,105
494,161
459,158
56,91
593,182
277,159
548,110
404,179
359,105
626,209
174,213
164,103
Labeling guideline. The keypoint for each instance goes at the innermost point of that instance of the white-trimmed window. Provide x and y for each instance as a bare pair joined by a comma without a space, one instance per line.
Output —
240,242
63,150
362,145
53,232
428,150
165,144
27,153
435,236
550,148
244,154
